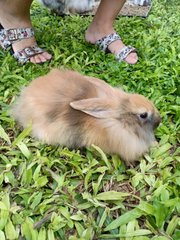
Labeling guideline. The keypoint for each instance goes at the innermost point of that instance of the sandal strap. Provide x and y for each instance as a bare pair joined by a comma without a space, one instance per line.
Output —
9,36
25,54
104,42
124,52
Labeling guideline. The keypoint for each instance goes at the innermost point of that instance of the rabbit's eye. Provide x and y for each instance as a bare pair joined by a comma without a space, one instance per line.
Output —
144,115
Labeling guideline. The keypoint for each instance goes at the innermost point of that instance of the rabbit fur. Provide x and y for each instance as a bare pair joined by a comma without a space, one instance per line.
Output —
73,110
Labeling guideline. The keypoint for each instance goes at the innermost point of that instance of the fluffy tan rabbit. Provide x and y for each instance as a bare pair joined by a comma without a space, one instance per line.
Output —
73,110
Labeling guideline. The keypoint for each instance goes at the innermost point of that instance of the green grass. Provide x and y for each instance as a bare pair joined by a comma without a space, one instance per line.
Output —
51,192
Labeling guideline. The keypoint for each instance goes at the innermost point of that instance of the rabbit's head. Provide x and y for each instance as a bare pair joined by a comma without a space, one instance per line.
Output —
128,121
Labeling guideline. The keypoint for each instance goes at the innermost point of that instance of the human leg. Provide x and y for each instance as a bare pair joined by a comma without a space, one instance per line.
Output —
102,25
16,14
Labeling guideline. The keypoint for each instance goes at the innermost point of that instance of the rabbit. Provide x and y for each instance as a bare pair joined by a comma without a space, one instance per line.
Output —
74,110
69,6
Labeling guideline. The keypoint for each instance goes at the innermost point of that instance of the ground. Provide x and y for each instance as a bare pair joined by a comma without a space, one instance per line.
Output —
51,192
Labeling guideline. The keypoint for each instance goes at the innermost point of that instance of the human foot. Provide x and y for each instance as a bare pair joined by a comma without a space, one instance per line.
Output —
114,47
24,48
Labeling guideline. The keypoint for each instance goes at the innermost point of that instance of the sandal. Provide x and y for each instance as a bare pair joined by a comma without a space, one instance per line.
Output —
10,36
104,42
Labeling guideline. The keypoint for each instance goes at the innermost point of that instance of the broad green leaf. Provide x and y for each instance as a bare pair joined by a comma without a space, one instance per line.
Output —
103,155
92,200
164,195
88,233
160,238
1,178
87,178
80,229
168,160
96,185
146,207
158,191
28,230
172,202
58,178
101,169
125,218
10,231
176,235
172,225
4,135
131,226
160,213
3,206
116,161
24,149
112,195
140,232
150,180
22,135
103,218
78,217
27,177
69,58
65,212
37,200
122,231
6,200
41,181
50,234
161,150
141,238
83,206
9,178
143,166
2,236
137,179
57,222
17,219
37,172
4,216
42,234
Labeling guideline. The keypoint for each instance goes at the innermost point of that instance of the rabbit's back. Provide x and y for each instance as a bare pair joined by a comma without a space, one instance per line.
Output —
45,103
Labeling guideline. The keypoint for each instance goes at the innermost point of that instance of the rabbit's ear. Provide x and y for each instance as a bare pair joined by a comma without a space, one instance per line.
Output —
98,108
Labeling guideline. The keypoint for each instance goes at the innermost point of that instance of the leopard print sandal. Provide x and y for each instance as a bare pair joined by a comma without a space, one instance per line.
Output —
10,36
104,42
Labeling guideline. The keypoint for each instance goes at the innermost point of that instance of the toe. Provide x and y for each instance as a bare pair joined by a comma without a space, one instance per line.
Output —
46,55
36,59
41,58
132,58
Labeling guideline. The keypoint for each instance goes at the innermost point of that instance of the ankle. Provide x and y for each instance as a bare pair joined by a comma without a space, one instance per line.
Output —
100,27
97,31
14,22
9,20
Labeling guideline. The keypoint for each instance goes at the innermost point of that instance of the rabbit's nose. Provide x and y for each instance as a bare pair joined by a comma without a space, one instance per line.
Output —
156,120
